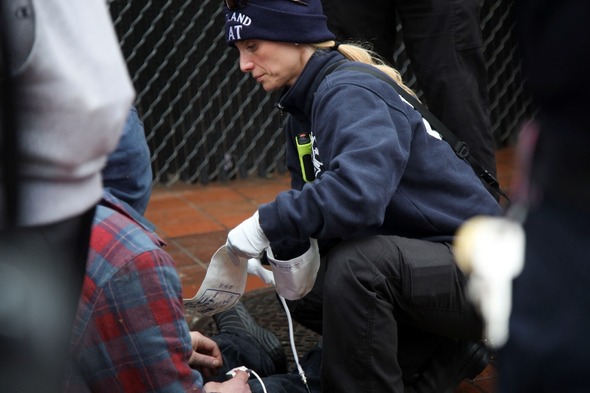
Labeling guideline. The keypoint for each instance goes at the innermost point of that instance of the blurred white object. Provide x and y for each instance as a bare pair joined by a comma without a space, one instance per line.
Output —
490,250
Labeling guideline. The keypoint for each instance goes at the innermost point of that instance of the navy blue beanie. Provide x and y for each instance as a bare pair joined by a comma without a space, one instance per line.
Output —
278,20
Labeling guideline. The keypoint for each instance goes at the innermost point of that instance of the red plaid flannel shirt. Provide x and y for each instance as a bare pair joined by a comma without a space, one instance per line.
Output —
130,334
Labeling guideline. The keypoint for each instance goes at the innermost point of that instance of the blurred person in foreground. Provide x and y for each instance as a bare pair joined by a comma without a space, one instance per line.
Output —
66,94
547,348
380,192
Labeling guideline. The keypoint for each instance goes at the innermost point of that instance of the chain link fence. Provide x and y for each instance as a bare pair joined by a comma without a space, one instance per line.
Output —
206,121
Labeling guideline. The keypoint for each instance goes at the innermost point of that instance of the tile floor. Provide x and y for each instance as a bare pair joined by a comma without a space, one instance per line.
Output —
195,219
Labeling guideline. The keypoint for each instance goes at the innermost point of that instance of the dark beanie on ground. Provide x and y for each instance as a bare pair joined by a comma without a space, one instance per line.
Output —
277,20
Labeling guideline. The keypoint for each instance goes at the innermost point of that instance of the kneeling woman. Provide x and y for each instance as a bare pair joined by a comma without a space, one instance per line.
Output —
384,199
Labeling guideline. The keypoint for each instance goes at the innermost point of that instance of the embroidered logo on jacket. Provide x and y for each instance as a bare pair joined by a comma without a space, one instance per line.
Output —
315,156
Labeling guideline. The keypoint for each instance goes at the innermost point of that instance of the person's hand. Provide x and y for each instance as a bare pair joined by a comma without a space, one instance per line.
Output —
256,268
238,384
247,239
206,355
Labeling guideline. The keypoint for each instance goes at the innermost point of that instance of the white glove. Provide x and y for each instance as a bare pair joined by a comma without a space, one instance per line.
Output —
256,268
247,239
295,278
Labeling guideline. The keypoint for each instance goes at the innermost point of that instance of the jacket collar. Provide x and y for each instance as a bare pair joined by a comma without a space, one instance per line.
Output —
112,202
297,100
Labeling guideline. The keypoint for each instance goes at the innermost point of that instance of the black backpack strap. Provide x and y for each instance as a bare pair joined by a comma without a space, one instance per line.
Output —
460,147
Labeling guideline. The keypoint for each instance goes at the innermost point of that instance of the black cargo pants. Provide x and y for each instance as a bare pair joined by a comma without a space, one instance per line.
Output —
383,304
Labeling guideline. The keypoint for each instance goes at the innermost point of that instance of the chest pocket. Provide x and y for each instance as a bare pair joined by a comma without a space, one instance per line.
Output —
17,20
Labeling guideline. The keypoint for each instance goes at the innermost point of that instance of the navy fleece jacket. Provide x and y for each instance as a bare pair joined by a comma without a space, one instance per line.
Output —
378,170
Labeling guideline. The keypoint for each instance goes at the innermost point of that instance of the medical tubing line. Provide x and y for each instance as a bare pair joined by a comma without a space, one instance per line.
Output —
292,341
259,379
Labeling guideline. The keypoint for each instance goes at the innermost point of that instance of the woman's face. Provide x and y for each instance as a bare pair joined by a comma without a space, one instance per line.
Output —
273,64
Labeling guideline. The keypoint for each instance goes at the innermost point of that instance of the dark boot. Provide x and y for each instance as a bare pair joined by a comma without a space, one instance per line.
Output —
450,364
238,320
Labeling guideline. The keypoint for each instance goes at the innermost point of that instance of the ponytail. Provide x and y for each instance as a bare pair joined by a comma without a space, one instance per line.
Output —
356,52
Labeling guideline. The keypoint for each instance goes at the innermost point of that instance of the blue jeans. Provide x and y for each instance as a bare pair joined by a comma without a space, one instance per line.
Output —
128,172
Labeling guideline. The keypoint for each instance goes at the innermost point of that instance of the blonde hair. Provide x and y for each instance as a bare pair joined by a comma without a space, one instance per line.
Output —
357,52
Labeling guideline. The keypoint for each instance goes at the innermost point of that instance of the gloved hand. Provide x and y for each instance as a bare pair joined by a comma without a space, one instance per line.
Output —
247,239
256,268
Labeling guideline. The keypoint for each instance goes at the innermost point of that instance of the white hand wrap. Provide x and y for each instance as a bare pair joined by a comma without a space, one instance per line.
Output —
247,239
295,278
